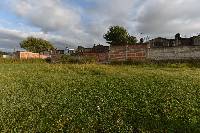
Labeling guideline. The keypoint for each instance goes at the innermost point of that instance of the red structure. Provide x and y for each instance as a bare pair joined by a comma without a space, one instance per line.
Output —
30,55
128,52
99,52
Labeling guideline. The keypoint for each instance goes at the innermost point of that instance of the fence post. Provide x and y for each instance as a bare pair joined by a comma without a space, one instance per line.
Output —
148,50
109,54
126,53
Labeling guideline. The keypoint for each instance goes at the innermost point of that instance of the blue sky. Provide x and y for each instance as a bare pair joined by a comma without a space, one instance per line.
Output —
83,22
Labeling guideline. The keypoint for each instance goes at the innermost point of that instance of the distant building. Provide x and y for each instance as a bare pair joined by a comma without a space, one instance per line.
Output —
80,49
162,42
69,51
66,51
100,48
99,52
95,49
60,51
178,41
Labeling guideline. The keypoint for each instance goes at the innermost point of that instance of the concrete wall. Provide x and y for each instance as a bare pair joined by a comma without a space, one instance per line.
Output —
7,56
172,53
127,52
197,40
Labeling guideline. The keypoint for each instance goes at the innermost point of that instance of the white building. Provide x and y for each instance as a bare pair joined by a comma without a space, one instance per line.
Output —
69,51
6,56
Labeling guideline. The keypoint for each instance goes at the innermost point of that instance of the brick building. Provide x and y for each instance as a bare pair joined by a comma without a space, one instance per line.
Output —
30,55
99,52
95,49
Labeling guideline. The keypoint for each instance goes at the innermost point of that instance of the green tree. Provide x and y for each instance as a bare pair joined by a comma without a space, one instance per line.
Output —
132,40
2,53
119,35
36,45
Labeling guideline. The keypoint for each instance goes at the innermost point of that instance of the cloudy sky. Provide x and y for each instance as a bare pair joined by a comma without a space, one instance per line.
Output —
83,22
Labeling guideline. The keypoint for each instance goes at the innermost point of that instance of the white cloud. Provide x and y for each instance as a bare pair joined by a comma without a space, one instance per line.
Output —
106,13
49,15
10,39
62,20
169,16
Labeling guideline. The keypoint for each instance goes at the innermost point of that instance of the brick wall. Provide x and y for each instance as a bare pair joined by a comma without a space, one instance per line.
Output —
44,56
100,57
128,52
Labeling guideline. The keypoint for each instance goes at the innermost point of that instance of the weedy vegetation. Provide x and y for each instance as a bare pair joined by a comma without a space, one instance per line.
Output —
41,97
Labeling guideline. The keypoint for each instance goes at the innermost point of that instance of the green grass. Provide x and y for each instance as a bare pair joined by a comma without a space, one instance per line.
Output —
41,97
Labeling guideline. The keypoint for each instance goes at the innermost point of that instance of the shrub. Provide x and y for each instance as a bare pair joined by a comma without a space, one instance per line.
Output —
131,62
15,60
160,63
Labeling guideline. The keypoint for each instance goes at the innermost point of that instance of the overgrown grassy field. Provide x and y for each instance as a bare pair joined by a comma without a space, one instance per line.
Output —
40,97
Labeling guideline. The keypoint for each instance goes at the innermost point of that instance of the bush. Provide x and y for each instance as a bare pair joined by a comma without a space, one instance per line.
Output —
177,63
160,63
131,62
15,60
48,60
